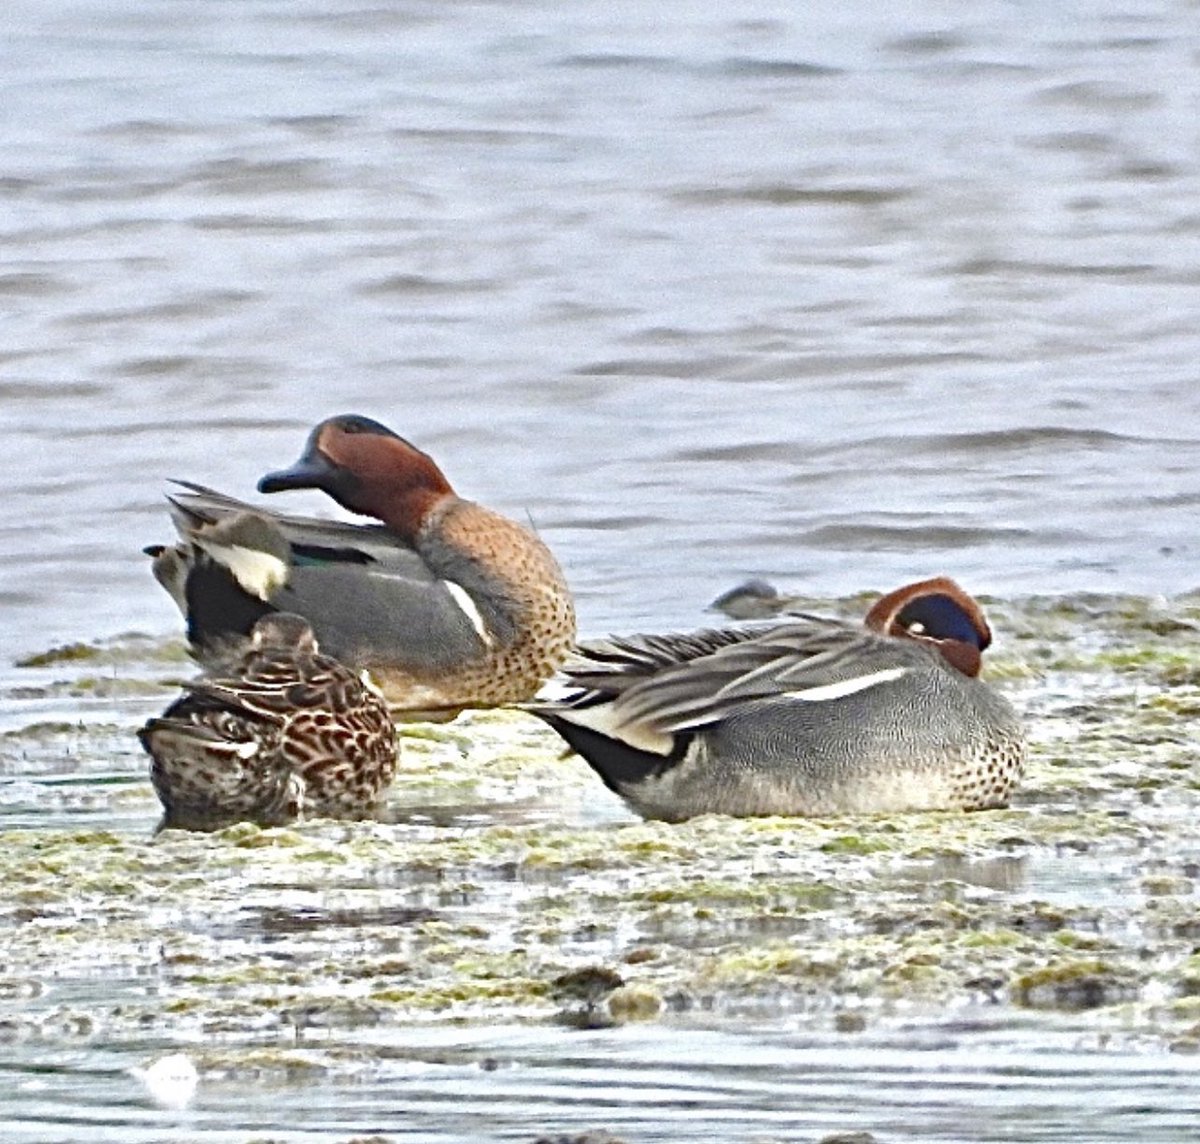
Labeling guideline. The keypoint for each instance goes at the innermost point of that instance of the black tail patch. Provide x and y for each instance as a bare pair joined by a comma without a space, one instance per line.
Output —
219,610
617,763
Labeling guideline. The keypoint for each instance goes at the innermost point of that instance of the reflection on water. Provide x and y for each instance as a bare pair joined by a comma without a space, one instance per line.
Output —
997,873
272,922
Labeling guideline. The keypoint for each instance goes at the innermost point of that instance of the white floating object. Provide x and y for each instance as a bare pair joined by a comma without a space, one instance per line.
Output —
170,1081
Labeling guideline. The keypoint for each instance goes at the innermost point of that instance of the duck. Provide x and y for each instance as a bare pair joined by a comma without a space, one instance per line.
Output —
753,599
448,604
288,734
801,716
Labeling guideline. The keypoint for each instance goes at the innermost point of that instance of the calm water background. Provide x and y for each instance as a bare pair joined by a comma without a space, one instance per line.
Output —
836,297
836,294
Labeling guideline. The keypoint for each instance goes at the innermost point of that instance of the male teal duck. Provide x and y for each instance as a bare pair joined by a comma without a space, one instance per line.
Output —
447,604
289,733
803,716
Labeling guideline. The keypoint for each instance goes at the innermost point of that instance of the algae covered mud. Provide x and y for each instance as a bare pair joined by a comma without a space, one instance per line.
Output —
513,956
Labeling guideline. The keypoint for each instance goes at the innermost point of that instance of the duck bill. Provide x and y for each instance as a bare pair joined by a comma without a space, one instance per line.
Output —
312,471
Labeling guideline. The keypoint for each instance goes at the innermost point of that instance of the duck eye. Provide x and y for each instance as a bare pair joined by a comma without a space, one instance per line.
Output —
940,617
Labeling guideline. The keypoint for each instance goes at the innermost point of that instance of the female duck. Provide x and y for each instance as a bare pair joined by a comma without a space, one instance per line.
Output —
448,605
289,734
802,717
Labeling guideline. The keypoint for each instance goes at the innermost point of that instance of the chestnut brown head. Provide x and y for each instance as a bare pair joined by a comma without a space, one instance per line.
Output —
937,612
367,469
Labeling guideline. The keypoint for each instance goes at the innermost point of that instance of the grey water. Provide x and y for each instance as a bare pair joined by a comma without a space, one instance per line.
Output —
836,294
658,1089
833,296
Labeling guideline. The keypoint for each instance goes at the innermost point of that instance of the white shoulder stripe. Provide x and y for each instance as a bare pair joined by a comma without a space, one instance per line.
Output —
846,687
463,599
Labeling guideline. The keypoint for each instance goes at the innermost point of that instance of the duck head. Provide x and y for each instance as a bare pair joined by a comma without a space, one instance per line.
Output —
367,469
937,612
284,631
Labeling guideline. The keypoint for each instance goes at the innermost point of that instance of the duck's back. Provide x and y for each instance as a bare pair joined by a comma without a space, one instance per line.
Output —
921,739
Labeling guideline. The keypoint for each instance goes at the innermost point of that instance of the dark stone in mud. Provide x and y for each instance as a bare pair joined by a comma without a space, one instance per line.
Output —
988,988
584,992
848,1138
1038,920
641,954
589,984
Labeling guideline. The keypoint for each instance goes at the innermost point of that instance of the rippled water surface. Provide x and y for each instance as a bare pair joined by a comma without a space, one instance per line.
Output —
839,295
831,296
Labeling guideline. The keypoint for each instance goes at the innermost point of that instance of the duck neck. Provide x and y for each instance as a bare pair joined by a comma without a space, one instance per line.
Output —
407,509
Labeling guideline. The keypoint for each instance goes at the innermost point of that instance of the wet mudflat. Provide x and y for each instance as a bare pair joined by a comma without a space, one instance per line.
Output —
513,955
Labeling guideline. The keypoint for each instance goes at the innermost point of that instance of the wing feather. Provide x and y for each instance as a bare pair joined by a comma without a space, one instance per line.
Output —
658,685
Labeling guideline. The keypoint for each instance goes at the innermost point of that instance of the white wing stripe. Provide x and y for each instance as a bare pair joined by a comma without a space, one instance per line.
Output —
846,687
463,599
